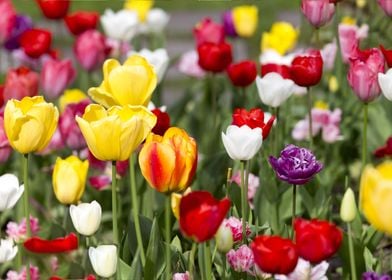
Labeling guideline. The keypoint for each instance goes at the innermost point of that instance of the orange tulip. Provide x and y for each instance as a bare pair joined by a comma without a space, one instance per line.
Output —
169,162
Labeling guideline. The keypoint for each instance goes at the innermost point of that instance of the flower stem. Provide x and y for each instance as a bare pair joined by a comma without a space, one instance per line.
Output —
294,208
25,164
309,97
364,134
352,255
114,204
167,236
135,210
276,133
244,201
207,260
191,260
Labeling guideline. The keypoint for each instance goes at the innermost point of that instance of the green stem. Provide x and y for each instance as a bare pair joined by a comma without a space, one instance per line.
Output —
276,133
224,267
167,236
26,204
352,255
135,210
364,134
192,259
294,208
309,97
114,213
65,218
207,261
244,201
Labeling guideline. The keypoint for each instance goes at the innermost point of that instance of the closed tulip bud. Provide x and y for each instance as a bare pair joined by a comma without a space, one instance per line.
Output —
80,21
318,12
140,7
69,179
103,260
224,239
20,82
245,20
86,217
214,57
7,250
273,89
242,74
10,191
282,37
36,42
157,19
348,208
121,25
54,9
30,123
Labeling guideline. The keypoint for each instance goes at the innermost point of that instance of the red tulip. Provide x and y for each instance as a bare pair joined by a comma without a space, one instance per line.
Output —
20,82
387,55
254,118
35,42
385,150
54,9
208,31
163,122
58,245
242,74
81,21
214,57
316,240
274,254
201,215
306,70
281,69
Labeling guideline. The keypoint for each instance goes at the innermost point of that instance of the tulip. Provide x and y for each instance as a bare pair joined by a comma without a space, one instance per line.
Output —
103,260
242,74
91,49
86,217
370,275
274,254
348,207
69,179
181,276
242,143
316,240
386,6
385,83
245,20
114,134
281,69
253,185
30,123
5,148
318,12
71,96
8,250
241,260
208,31
201,215
363,74
168,163
349,39
36,42
253,118
273,89
375,195
54,9
304,270
387,55
235,226
58,245
141,8
384,151
121,25
81,21
56,76
157,19
175,202
228,24
100,182
224,239
8,20
22,24
306,70
20,82
163,122
281,38
214,57
189,64
22,275
131,83
328,54
18,232
10,191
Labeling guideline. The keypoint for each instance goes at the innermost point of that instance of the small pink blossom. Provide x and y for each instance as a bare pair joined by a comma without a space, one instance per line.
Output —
54,264
253,184
235,226
100,182
181,276
18,231
328,53
189,65
241,260
21,275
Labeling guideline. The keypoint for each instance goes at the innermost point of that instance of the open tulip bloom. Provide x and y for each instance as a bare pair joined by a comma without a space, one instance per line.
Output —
10,191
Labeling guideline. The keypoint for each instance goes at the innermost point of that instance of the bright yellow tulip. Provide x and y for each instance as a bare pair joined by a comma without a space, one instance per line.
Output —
376,196
69,179
245,19
115,133
141,7
71,96
30,123
129,84
281,38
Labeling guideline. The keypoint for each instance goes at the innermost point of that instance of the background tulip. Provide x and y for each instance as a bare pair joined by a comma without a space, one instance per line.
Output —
22,24
163,122
7,21
121,25
69,179
242,74
36,42
253,118
386,6
281,69
10,191
8,250
71,96
385,83
30,123
189,64
281,38
54,9
228,24
318,12
245,19
306,70
214,57
349,39
241,260
103,260
157,20
385,150
81,21
224,239
273,89
208,31
5,148
86,217
20,82
305,270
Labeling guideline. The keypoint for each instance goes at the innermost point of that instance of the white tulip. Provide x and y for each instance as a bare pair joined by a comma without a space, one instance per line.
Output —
272,56
274,89
7,250
104,260
304,270
385,82
242,143
10,191
156,20
86,217
122,25
158,58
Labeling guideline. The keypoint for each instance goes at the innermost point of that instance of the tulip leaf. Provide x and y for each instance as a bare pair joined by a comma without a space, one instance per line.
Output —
370,261
136,268
345,256
125,270
145,228
153,264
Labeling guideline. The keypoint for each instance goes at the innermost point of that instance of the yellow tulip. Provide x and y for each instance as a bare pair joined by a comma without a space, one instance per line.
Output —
115,133
281,38
141,7
129,84
71,96
69,179
333,84
376,196
175,202
245,19
30,123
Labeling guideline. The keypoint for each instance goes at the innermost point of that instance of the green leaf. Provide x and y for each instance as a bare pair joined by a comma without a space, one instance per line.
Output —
136,268
154,263
370,260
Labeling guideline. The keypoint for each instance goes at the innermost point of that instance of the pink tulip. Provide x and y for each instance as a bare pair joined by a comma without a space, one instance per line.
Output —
349,38
328,53
91,49
235,226
253,184
181,276
241,260
189,65
21,275
386,5
5,148
318,12
56,76
208,31
7,19
20,82
363,74
100,182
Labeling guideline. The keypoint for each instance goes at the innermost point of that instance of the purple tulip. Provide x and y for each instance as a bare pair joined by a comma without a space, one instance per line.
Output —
228,24
374,276
295,165
22,23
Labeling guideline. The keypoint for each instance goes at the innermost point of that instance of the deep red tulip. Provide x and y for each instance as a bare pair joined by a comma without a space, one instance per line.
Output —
254,118
80,21
385,150
201,215
35,42
163,122
208,31
242,74
274,254
54,9
281,69
317,240
20,82
214,57
58,245
387,55
306,70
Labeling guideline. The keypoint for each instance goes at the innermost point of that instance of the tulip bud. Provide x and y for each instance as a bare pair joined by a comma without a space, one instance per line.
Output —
103,260
348,208
10,191
7,250
86,217
224,239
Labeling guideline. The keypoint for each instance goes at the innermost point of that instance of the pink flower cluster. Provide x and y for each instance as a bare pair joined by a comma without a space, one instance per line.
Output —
253,184
241,260
22,275
18,231
235,226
